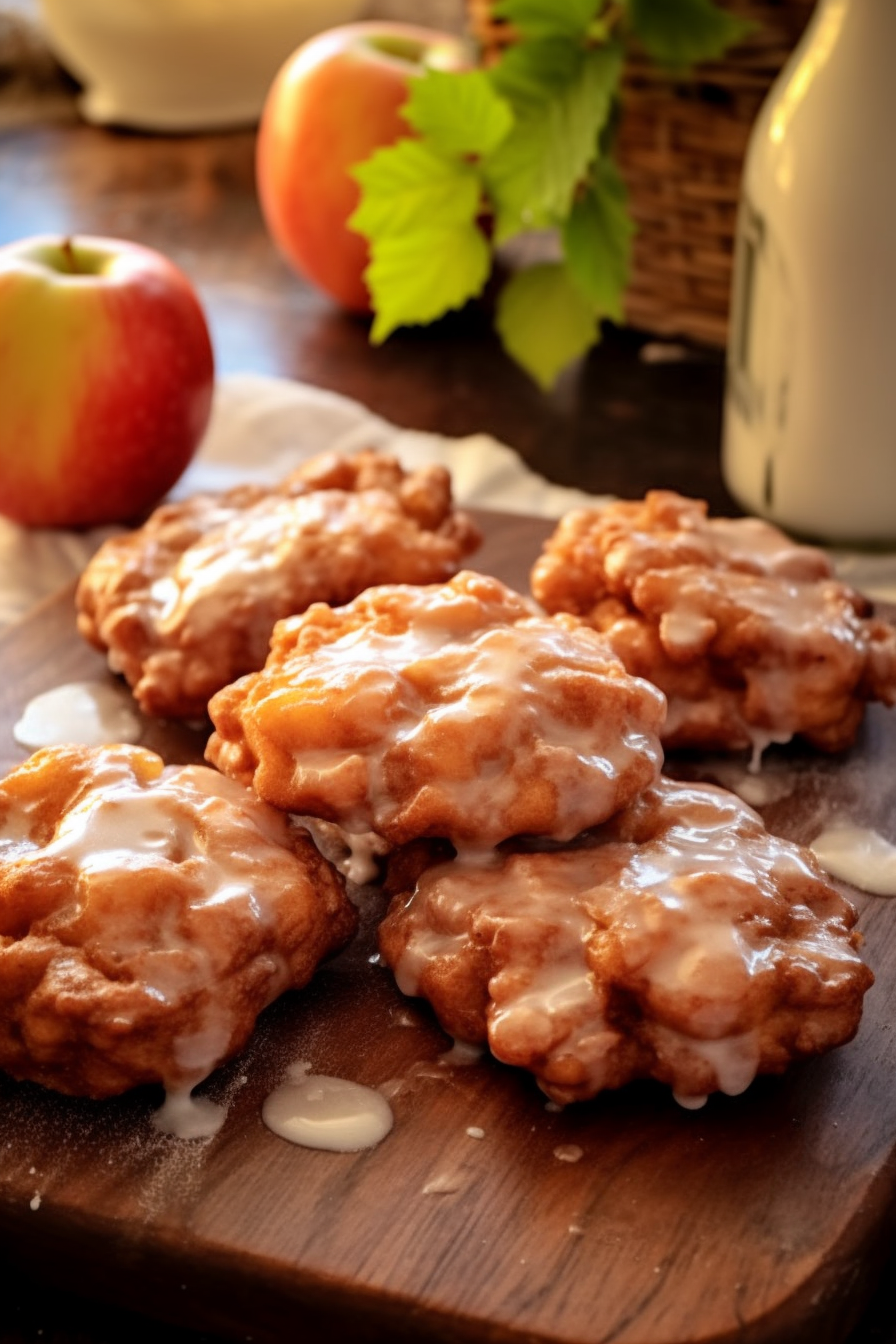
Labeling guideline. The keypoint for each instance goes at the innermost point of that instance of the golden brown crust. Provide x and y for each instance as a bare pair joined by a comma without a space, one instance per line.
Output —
187,602
748,634
680,941
444,710
147,915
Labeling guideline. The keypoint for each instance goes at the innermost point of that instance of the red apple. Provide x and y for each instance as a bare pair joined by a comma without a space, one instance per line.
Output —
333,103
106,378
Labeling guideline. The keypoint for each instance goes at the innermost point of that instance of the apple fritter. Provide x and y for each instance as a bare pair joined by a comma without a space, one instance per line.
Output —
448,710
147,916
680,941
748,634
187,602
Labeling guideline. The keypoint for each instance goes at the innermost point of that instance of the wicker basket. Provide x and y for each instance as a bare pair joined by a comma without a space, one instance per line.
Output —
681,149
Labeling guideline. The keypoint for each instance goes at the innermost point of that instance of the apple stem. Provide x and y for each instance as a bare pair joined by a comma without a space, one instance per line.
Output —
68,254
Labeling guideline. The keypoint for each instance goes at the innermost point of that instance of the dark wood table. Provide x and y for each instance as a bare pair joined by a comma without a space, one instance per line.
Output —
619,422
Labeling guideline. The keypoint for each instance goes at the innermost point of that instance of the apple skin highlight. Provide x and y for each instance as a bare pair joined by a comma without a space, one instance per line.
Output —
333,103
106,380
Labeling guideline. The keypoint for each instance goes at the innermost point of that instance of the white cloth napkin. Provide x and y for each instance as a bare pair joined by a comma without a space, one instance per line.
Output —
261,428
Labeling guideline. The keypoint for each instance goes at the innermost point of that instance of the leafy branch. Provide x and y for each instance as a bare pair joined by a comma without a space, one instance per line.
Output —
525,145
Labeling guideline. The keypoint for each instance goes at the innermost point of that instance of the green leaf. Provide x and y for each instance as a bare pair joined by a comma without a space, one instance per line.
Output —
530,72
460,112
549,18
597,241
544,320
408,185
686,32
417,277
533,175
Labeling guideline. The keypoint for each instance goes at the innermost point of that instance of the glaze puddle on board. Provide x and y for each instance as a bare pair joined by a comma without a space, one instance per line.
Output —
859,855
89,713
335,1114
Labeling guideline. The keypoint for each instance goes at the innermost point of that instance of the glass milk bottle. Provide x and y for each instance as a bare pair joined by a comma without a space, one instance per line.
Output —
810,409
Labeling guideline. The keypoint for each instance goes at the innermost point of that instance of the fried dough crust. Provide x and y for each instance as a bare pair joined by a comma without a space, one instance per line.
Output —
446,710
748,634
680,941
187,602
147,915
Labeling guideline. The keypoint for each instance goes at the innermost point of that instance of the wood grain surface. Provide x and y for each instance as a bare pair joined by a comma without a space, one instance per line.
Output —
759,1218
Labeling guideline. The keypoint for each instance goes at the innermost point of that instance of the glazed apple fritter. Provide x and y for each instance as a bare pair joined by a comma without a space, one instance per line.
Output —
680,941
749,635
447,710
187,602
147,916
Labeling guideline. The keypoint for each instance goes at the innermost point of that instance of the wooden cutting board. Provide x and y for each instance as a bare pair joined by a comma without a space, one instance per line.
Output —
759,1218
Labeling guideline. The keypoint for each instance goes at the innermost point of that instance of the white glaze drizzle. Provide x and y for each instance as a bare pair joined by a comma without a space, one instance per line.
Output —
859,855
462,1054
682,945
754,545
485,671
787,585
792,610
356,855
760,740
188,1117
248,549
122,826
362,862
690,1103
89,713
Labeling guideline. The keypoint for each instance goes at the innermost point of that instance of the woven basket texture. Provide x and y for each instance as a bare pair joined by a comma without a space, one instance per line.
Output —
681,149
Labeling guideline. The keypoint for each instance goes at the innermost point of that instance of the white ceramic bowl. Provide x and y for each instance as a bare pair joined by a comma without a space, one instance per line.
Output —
181,65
